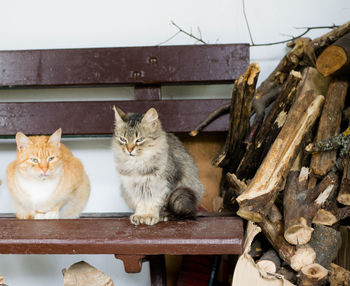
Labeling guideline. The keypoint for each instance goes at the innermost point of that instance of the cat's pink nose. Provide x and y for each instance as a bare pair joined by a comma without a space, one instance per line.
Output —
130,148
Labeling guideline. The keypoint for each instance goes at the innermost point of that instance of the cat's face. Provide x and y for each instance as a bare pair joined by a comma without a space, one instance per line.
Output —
135,134
39,157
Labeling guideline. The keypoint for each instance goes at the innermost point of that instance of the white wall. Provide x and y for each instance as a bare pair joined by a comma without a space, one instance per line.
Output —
48,24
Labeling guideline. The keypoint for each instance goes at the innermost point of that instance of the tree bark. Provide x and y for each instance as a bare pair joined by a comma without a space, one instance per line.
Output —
270,261
326,242
335,59
242,96
322,163
344,192
329,38
271,127
301,204
268,180
339,276
270,87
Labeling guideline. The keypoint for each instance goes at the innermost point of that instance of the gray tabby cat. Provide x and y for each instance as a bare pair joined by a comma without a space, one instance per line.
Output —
159,179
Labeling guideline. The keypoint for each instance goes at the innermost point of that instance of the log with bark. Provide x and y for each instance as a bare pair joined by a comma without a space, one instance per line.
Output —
242,96
258,198
329,125
270,87
272,125
271,225
322,42
339,276
301,204
269,261
344,192
335,59
326,242
313,275
331,213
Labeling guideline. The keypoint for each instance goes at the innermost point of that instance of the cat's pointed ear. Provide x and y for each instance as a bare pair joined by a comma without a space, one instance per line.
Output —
55,138
118,113
22,141
151,116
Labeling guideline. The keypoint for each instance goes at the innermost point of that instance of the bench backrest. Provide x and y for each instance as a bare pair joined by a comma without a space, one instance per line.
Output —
145,68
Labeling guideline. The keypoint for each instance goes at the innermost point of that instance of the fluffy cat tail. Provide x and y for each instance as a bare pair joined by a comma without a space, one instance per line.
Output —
182,204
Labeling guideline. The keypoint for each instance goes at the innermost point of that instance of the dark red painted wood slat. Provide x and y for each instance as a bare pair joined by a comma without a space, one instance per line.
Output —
206,235
129,65
97,117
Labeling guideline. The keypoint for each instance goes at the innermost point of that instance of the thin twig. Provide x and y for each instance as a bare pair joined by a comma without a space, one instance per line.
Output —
180,30
307,29
188,34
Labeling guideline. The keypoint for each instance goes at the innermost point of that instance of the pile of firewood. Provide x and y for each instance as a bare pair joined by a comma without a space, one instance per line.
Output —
286,159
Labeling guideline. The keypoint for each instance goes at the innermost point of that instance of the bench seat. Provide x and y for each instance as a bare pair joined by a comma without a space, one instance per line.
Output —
206,235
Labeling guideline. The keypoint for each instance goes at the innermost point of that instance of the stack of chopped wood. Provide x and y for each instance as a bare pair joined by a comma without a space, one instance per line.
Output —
289,170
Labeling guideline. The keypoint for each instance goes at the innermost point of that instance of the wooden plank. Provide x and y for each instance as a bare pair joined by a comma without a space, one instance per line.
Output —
97,117
129,65
207,235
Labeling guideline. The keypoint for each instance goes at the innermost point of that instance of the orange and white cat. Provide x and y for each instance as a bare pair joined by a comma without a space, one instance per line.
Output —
46,181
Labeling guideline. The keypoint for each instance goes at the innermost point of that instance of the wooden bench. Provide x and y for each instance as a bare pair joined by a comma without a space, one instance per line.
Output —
147,69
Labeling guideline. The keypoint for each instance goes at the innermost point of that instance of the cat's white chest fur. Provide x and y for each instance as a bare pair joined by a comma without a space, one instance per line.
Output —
38,191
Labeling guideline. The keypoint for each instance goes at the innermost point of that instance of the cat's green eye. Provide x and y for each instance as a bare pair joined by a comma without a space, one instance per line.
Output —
34,160
50,158
139,140
122,140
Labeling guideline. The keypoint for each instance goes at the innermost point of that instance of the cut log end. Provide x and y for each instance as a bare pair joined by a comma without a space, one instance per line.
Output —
298,234
344,199
331,60
313,274
302,257
248,215
324,217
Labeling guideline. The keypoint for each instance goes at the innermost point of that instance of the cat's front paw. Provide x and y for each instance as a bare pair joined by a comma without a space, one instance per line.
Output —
48,215
144,219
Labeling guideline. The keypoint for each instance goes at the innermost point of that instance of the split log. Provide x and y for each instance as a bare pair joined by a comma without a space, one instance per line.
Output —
329,125
83,274
301,204
335,59
242,96
271,225
339,276
269,179
313,275
270,261
270,87
330,213
271,127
